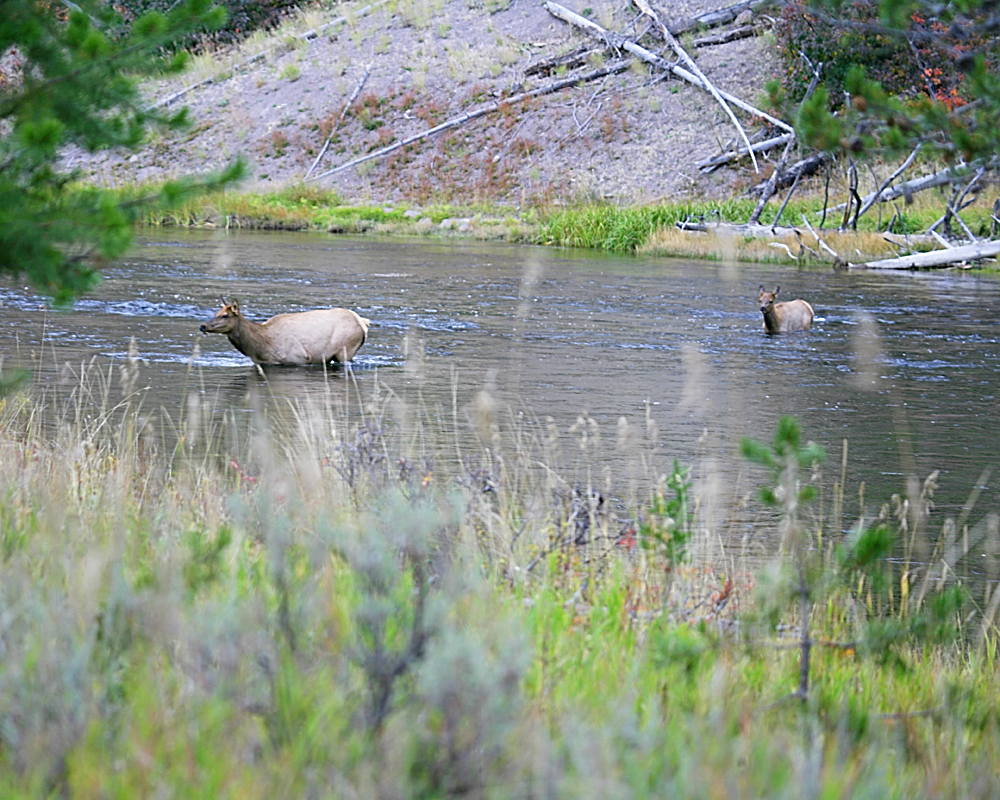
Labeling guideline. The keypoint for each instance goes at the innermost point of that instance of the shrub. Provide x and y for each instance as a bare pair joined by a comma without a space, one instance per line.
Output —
857,37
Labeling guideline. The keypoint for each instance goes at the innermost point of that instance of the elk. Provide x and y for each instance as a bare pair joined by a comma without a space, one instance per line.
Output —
307,337
795,315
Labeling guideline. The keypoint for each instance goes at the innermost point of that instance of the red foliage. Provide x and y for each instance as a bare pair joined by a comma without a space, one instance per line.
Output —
903,69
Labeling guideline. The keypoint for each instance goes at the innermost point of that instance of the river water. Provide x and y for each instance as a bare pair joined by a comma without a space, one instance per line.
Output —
904,367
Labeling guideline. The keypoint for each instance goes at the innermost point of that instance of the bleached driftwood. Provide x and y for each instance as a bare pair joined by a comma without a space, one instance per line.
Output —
908,240
682,54
911,187
838,260
958,203
620,42
941,240
340,119
455,122
937,258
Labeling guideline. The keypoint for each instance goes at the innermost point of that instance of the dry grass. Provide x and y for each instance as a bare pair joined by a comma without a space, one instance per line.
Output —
720,245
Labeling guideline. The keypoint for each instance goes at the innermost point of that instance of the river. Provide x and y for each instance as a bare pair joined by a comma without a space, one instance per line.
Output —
904,367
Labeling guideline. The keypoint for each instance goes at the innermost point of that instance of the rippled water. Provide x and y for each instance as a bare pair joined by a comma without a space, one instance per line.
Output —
558,333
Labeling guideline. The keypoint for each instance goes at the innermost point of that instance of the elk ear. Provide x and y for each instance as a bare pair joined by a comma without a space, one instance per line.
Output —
777,289
761,288
234,304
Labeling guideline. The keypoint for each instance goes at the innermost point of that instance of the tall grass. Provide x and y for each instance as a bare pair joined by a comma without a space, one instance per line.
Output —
647,230
357,597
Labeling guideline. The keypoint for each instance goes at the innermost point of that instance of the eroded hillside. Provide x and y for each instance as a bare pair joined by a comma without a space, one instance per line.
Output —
631,135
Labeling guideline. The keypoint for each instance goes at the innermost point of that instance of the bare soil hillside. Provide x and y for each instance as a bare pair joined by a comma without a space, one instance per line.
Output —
629,137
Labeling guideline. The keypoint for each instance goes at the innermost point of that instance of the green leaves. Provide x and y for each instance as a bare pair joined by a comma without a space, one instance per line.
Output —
885,614
896,14
150,25
816,125
867,547
897,75
783,458
45,135
668,527
78,85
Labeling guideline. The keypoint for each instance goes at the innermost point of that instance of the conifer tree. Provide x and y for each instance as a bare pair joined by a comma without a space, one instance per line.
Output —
70,77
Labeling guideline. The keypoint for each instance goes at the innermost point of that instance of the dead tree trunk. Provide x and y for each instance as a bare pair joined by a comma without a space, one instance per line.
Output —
681,53
723,16
937,258
623,43
455,122
800,169
768,188
710,164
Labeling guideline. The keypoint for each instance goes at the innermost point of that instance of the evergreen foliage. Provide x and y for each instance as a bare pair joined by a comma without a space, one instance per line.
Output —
70,79
898,75
886,620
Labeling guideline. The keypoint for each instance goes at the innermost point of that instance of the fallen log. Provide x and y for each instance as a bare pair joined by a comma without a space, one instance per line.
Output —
571,60
800,169
735,229
941,240
620,42
714,19
340,119
725,37
908,240
682,54
687,225
911,187
936,258
869,201
839,262
455,122
709,164
769,185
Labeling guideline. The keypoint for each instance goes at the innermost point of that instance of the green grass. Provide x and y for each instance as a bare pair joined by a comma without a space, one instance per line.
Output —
307,601
649,230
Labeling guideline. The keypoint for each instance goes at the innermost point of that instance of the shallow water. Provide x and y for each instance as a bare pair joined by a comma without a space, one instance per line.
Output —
560,333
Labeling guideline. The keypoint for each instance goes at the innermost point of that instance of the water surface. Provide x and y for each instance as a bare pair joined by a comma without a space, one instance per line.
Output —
905,367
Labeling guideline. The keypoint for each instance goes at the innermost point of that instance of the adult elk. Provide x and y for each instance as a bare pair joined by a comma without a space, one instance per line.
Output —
307,337
795,315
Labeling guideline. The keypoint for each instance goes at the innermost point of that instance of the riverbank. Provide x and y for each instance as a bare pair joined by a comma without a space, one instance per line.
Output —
708,230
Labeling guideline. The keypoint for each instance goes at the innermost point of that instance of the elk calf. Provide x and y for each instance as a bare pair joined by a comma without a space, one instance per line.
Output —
308,337
795,315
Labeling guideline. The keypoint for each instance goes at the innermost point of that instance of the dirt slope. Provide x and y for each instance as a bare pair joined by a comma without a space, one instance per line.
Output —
630,137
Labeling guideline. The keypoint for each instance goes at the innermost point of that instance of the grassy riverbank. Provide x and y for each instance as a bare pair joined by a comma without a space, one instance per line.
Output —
648,230
362,604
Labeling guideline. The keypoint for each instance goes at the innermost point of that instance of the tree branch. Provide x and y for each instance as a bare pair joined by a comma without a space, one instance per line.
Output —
454,122
620,42
340,119
681,53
